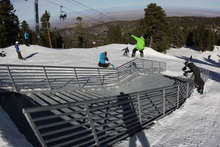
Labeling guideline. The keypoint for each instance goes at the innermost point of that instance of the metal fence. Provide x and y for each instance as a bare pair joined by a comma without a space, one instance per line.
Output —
30,77
105,121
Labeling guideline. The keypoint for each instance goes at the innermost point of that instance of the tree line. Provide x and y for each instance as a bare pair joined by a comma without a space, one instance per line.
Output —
11,30
159,31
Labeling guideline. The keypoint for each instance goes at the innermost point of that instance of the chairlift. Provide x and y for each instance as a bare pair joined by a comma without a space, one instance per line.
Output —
63,14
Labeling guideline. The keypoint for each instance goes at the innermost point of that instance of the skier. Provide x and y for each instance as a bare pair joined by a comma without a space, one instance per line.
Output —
196,71
139,46
103,58
126,51
26,35
18,50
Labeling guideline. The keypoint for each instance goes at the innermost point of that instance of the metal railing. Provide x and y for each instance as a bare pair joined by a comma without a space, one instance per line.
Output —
34,77
105,121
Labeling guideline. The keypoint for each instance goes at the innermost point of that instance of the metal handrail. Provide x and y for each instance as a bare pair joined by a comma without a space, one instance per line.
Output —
32,77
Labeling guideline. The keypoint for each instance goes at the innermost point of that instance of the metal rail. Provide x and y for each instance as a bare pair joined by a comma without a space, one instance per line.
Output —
34,77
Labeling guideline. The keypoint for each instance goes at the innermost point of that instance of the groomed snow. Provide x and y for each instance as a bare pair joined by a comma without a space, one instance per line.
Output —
196,123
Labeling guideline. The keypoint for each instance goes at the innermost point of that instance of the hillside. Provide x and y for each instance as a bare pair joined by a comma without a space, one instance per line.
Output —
97,32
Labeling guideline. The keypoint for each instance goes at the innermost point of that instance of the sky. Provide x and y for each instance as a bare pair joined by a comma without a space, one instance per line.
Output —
25,10
195,123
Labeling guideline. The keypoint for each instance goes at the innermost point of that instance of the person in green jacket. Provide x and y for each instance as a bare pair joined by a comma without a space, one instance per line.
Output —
139,46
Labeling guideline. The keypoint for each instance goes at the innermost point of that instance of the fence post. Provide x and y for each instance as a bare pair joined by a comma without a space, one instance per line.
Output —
187,90
164,103
178,96
77,80
143,66
132,70
45,72
34,128
100,77
91,124
12,79
139,108
117,75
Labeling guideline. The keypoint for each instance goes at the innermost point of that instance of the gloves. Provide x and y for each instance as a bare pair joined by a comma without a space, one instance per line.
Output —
106,58
184,68
185,74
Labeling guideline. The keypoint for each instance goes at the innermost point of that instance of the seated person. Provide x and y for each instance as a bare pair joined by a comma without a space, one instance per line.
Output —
103,58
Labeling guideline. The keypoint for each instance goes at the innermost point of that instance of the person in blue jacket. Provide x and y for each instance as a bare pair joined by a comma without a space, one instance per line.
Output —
102,59
18,50
26,35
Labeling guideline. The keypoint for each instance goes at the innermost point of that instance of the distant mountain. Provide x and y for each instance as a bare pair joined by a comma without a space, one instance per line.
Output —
126,15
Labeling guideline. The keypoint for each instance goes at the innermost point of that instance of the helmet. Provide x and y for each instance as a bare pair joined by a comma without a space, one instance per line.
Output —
105,53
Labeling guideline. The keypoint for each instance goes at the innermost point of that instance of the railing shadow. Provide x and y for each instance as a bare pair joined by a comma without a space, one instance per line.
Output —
131,120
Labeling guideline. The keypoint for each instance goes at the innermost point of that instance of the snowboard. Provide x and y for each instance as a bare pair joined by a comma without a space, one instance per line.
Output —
111,66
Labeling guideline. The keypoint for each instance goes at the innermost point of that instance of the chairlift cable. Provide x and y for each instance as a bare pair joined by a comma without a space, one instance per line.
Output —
73,11
92,9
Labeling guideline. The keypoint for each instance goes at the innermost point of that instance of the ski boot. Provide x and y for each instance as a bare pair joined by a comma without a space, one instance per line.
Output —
133,55
142,55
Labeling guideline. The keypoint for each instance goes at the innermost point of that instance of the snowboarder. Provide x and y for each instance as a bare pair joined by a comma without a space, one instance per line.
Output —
139,46
196,71
26,35
18,50
126,51
2,54
102,59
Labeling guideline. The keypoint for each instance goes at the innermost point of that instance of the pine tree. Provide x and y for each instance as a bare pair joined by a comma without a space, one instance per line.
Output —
79,36
57,39
45,26
155,25
114,35
25,28
9,24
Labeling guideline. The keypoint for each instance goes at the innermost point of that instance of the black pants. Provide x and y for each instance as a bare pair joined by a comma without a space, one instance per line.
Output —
19,55
103,65
26,42
134,51
199,82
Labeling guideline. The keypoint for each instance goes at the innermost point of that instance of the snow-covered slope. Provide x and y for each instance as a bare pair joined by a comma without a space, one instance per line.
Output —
196,123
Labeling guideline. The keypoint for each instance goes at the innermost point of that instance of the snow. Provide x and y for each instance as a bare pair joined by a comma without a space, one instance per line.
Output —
196,123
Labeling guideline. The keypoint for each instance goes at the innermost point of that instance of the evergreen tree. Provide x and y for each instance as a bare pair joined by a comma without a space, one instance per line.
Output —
25,28
178,36
57,39
9,24
201,38
114,35
155,25
79,38
45,25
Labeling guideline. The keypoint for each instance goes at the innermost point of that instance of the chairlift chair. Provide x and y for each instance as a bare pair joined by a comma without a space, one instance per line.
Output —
63,14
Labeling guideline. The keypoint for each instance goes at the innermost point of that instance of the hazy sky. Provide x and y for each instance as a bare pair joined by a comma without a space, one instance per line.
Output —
25,10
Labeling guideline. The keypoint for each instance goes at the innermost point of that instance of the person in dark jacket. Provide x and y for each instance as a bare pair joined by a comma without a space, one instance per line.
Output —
196,71
126,51
18,50
102,59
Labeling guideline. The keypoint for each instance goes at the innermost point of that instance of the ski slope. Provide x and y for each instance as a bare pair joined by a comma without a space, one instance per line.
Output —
196,123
